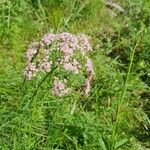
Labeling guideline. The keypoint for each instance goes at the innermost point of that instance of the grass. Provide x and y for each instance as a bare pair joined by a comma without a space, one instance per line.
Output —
116,113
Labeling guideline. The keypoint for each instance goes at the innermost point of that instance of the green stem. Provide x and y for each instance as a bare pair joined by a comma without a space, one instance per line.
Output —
122,95
35,92
37,89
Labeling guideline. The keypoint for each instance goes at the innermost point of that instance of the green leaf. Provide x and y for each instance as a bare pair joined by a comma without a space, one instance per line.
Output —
102,143
122,142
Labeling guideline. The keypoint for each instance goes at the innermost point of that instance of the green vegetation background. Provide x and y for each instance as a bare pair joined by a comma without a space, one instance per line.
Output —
116,113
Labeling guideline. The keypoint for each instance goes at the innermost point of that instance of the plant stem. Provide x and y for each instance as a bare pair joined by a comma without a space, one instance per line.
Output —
37,89
35,92
122,95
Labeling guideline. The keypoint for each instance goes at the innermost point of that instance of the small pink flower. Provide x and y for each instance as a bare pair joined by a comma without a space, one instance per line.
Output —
30,54
64,47
45,65
88,82
89,66
59,88
85,42
30,71
49,38
70,67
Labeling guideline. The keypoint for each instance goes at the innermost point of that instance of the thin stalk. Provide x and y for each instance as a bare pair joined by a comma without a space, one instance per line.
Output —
37,89
39,85
122,95
121,99
8,20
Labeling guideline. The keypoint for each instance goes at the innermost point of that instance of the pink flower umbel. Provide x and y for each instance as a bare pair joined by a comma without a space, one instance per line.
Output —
66,52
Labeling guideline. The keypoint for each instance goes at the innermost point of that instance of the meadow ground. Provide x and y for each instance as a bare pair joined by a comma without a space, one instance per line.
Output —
115,114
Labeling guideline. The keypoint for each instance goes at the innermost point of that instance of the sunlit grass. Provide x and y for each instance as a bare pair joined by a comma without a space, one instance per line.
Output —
103,119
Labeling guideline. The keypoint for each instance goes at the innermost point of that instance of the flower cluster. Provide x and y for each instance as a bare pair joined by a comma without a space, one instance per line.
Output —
59,87
65,51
